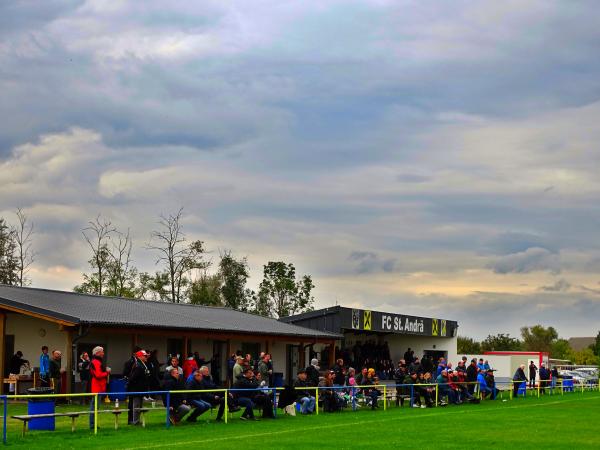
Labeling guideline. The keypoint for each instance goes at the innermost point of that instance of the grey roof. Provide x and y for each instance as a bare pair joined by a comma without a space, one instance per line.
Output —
122,312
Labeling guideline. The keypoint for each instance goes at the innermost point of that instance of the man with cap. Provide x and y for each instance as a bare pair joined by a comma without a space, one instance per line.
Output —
483,386
98,375
139,381
304,396
544,378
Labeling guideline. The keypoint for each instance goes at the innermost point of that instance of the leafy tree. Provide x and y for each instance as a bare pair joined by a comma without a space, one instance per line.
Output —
584,357
597,345
234,275
500,342
153,287
560,349
468,346
9,264
178,257
280,294
206,290
538,339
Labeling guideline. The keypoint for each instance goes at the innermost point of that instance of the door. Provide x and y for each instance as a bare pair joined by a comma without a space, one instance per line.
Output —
9,351
293,362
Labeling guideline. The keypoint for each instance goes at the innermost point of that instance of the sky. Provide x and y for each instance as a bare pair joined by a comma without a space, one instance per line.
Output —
421,157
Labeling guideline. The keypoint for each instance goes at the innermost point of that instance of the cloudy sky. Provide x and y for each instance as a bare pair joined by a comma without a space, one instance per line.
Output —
425,157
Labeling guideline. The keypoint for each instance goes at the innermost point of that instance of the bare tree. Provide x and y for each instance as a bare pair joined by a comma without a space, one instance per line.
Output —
97,234
179,257
120,270
23,233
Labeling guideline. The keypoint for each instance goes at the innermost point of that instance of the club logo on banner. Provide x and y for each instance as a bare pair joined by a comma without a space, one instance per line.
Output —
367,320
356,319
434,327
443,333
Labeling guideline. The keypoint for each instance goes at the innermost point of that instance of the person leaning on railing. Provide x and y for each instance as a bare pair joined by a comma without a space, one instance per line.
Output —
329,398
424,389
372,392
250,395
518,378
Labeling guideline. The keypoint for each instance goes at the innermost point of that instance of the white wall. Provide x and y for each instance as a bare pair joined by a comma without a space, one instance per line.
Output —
28,337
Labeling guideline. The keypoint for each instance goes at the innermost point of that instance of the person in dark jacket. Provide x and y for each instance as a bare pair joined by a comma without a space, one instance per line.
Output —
544,378
83,368
197,399
255,397
518,378
214,398
304,397
532,373
339,377
16,361
312,372
139,381
472,376
178,406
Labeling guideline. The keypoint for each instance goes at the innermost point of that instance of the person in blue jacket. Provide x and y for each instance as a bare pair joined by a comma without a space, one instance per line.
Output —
45,367
483,386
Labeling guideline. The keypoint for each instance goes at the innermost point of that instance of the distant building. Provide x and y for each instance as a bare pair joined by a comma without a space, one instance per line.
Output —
424,335
581,343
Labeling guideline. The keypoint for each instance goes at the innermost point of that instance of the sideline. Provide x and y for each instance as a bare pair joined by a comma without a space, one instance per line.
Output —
366,422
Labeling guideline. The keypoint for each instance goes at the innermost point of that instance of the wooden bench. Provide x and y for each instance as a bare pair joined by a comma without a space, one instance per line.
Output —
27,417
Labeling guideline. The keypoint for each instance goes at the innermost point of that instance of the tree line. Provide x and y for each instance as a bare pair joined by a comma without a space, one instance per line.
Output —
185,272
533,338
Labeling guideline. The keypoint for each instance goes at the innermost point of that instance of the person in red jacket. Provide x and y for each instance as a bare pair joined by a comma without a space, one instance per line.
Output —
189,366
98,376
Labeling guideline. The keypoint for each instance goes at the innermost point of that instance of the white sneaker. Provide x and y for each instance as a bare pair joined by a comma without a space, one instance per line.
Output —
416,406
423,406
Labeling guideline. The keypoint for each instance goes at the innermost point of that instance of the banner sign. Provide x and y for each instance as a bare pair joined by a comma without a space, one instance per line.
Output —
365,320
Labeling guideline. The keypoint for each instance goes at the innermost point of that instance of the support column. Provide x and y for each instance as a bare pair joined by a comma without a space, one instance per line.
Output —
69,362
186,341
134,341
2,356
331,354
302,355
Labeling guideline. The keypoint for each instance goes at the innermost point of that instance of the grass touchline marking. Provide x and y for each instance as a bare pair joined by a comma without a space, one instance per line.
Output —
366,422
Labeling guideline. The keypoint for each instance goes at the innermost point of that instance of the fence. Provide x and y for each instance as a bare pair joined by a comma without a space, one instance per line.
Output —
352,390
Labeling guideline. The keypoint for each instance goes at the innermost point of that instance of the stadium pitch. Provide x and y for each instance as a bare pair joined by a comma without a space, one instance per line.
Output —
569,421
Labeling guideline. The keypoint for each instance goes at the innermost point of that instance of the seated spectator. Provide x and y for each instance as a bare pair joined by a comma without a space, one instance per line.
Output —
329,397
373,393
491,383
484,389
444,389
399,376
178,406
362,376
251,396
196,399
215,398
424,389
304,396
481,365
409,382
459,378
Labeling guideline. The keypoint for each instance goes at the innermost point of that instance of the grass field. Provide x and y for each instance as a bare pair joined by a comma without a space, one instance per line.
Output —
569,421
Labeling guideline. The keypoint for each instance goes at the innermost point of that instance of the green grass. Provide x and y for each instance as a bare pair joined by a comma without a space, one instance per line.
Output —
549,422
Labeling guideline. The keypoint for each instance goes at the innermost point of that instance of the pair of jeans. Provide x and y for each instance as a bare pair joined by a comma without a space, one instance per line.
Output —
308,404
200,407
245,402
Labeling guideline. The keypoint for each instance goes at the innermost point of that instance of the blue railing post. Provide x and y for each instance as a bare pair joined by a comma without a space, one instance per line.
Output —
4,419
275,402
412,388
168,423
